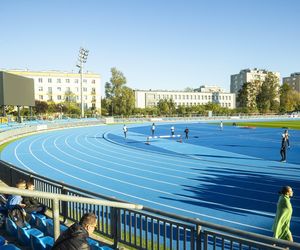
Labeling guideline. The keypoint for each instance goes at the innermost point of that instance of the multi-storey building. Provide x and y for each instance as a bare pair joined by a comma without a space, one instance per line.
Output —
293,81
59,86
248,75
150,98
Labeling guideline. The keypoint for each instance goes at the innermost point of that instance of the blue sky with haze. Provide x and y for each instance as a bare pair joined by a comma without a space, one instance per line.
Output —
158,44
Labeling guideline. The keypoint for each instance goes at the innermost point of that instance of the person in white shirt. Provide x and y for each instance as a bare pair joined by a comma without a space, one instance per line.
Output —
152,129
125,130
172,130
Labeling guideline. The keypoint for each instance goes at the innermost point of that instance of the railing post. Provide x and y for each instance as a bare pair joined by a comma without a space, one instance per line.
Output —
64,204
11,177
115,225
55,213
198,241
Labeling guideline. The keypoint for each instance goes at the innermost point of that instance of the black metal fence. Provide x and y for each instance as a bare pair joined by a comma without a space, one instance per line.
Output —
147,228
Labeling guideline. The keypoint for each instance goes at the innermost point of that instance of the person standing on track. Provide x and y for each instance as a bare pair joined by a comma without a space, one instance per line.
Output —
281,226
152,129
125,130
221,126
284,145
186,131
172,130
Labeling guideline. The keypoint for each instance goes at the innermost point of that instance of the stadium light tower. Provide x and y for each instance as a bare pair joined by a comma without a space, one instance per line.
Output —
82,57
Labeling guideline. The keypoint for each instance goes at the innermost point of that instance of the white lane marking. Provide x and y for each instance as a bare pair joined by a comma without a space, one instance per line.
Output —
17,157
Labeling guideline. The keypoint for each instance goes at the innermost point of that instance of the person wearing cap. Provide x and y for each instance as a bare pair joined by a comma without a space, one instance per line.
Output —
281,225
284,145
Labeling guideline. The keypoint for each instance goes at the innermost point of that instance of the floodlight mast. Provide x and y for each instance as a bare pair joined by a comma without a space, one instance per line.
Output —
82,58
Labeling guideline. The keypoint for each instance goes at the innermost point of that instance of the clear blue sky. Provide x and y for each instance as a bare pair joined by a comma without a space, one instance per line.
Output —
157,44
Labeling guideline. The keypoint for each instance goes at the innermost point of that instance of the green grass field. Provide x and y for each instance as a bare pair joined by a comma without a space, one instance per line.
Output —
271,124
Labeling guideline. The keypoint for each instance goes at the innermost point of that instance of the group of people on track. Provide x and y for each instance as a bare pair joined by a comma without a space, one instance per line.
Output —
281,225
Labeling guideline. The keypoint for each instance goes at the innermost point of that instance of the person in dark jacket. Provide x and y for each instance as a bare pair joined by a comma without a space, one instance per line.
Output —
284,145
32,204
75,237
186,131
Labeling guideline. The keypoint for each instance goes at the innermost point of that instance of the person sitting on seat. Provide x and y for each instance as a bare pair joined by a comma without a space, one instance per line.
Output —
14,200
75,237
32,204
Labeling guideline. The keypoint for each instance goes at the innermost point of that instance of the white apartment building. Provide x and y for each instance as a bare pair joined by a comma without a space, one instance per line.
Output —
150,98
293,81
57,86
248,75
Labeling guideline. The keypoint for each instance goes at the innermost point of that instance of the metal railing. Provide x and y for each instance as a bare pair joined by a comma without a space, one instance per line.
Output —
142,229
57,198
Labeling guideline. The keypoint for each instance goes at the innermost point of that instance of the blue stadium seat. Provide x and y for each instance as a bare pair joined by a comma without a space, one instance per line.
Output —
41,223
41,243
104,248
93,243
2,240
24,235
34,217
9,247
50,227
11,227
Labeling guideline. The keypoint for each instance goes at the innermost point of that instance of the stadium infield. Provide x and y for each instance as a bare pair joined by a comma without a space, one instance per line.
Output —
229,177
290,124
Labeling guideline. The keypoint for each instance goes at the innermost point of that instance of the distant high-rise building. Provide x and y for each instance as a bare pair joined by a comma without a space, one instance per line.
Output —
248,75
293,81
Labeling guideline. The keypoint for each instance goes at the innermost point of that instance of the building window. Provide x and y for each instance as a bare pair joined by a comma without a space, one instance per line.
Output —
50,89
85,89
68,89
76,81
49,80
85,97
67,80
40,97
40,80
58,80
179,97
84,80
58,88
77,89
187,97
93,81
59,97
40,88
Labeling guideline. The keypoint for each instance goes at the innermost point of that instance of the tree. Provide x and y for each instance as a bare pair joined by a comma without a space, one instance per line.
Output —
119,98
288,99
166,107
41,107
242,98
268,95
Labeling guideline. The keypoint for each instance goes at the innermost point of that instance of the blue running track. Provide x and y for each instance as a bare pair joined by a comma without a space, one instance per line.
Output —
229,177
